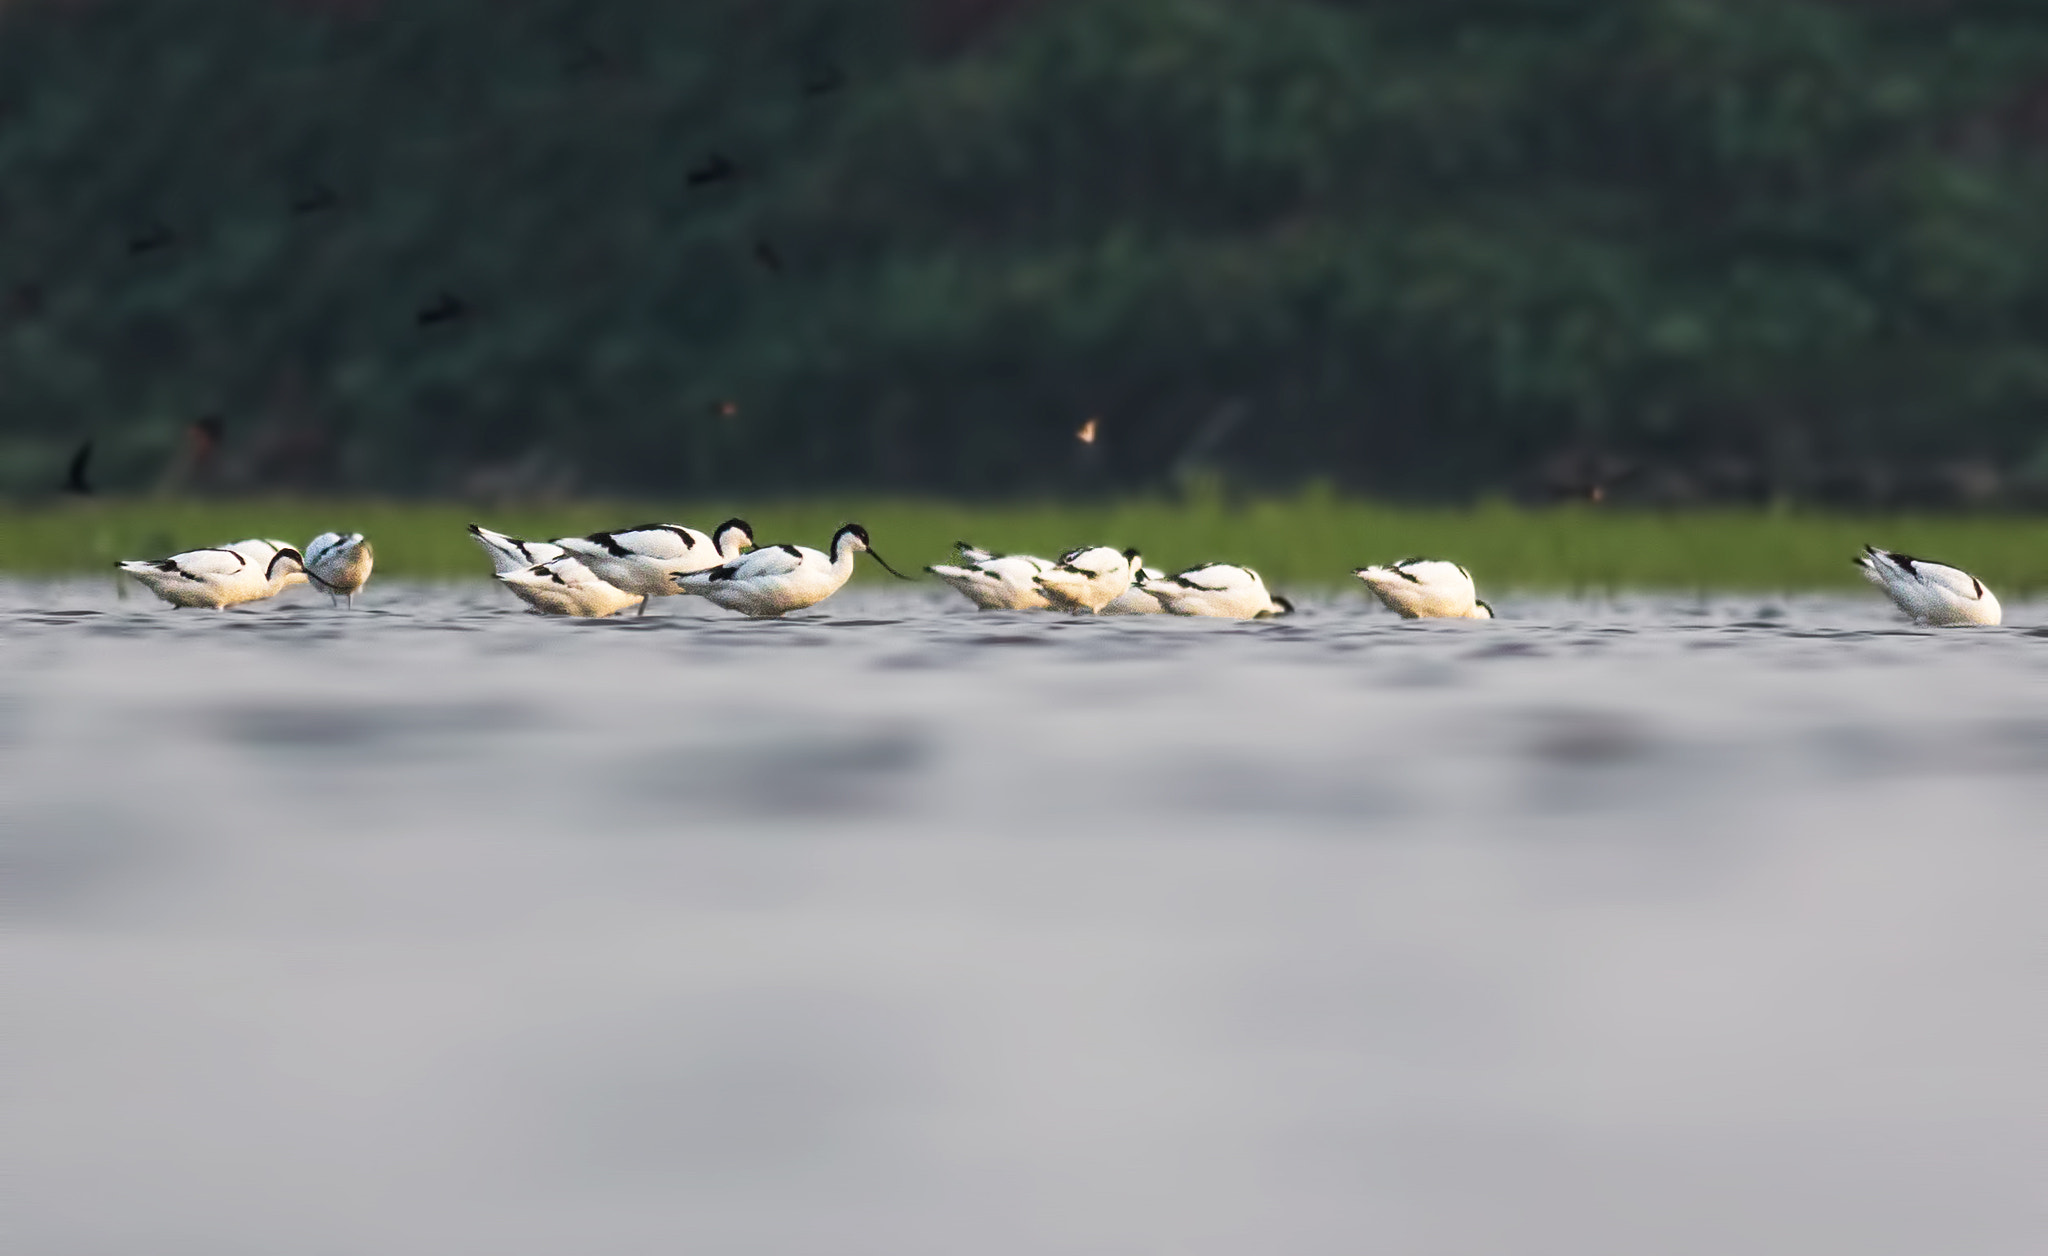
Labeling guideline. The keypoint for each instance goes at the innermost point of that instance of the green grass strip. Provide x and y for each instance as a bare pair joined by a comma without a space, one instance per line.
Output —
1305,541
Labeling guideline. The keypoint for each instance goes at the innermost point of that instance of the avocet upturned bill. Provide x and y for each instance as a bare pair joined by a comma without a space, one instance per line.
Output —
996,582
564,586
1930,593
1218,590
646,559
1086,580
777,579
1426,588
223,576
339,562
509,553
1138,599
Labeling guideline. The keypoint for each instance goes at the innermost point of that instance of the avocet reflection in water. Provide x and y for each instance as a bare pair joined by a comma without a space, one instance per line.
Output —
1647,926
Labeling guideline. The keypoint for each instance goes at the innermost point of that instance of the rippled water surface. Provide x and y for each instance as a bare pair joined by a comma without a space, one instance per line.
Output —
1648,926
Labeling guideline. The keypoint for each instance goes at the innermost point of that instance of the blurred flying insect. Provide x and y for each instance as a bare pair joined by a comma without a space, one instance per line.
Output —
1086,435
74,478
717,168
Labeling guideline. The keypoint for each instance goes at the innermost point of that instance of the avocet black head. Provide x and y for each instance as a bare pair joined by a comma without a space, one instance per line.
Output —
739,531
855,535
288,558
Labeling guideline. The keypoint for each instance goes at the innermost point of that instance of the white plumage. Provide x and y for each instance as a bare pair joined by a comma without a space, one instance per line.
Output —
996,582
646,559
1426,588
1929,592
509,553
1138,599
1086,580
339,563
1218,590
777,579
564,586
223,576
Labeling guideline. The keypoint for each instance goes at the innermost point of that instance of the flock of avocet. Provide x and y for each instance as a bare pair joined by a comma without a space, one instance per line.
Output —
606,572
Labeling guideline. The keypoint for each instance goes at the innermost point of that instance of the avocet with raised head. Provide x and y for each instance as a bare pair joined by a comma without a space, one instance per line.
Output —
564,586
1930,593
1086,580
1220,591
1138,599
1426,588
339,562
509,553
646,559
996,582
222,576
777,579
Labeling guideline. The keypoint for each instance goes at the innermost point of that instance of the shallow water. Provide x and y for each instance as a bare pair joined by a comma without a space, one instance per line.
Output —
1655,925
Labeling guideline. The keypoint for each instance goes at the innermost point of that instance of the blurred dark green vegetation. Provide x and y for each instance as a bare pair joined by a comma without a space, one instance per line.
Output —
1669,251
1307,540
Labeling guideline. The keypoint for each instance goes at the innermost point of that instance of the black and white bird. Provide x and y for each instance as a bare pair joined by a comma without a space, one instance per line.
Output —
1930,593
339,562
509,553
564,586
1138,599
645,560
777,579
1084,581
221,576
1217,590
996,582
1425,588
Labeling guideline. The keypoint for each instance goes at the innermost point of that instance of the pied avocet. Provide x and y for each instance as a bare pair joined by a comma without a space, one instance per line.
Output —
996,582
223,576
777,579
1138,599
564,586
1218,590
1086,580
1426,588
509,553
646,559
1929,592
339,562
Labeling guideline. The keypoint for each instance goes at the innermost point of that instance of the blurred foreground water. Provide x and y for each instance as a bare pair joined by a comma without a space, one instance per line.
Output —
1652,926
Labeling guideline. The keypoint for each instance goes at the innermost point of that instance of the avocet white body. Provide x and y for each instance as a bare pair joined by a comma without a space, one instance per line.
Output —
1086,580
564,586
340,563
509,553
222,576
996,582
1426,588
1930,593
777,579
1138,599
646,559
1218,590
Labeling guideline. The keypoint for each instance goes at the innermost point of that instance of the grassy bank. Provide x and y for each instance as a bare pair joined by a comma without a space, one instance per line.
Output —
1303,541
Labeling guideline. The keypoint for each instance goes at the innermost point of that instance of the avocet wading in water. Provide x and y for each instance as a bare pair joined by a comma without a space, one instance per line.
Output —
1930,593
339,562
222,576
646,559
777,579
1218,590
564,586
1425,588
1085,581
996,582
